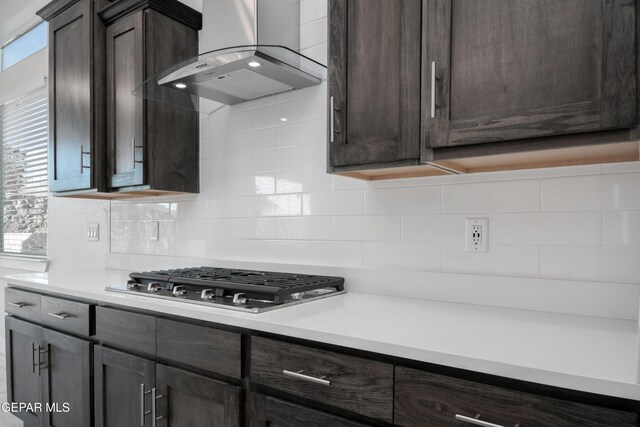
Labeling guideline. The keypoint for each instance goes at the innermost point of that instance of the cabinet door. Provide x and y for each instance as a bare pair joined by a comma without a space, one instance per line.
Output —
70,99
498,70
67,379
123,386
374,82
24,381
125,139
189,400
265,411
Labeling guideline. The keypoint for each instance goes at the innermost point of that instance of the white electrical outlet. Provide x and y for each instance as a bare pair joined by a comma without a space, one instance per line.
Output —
93,232
477,233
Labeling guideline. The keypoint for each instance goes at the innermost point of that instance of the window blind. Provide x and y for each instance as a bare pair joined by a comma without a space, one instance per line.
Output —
23,168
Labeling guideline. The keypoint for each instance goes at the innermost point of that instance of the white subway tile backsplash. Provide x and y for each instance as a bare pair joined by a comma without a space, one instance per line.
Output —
281,205
252,228
293,111
603,263
238,207
434,228
247,142
333,203
508,196
305,180
549,228
313,33
501,260
124,211
278,251
366,228
188,247
312,10
597,192
342,254
620,228
225,249
399,201
208,228
303,133
304,228
402,256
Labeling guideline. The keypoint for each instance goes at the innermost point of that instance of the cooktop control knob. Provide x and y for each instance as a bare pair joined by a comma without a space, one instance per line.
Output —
207,294
239,299
179,291
153,287
132,284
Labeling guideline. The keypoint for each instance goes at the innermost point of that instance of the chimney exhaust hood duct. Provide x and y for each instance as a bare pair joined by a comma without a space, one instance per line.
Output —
253,52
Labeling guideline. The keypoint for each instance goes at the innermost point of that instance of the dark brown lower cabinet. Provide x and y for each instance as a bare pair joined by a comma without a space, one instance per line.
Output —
49,371
123,385
134,391
66,374
24,384
191,400
426,399
265,411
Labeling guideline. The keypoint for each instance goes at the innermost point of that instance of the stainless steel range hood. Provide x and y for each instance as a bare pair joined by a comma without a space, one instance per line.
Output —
253,52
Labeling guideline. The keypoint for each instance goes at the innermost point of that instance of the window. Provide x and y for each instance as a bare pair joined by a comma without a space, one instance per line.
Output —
24,45
23,175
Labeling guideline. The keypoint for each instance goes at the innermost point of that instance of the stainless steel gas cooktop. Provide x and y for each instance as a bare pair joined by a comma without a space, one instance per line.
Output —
243,290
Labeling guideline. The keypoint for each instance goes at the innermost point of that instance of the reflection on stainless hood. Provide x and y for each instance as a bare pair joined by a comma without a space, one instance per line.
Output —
268,64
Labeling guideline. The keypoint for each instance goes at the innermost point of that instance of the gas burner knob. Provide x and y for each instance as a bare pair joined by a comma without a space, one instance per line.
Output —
132,284
153,287
179,291
207,294
239,299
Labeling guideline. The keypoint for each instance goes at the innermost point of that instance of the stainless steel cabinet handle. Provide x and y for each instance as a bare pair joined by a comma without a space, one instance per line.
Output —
18,304
60,316
40,365
299,375
332,119
155,397
133,147
477,421
33,358
433,89
82,154
143,413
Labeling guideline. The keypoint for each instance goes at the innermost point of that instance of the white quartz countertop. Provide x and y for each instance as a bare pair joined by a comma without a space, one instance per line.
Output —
583,353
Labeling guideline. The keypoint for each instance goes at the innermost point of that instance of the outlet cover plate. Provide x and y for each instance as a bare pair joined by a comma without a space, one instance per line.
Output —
477,234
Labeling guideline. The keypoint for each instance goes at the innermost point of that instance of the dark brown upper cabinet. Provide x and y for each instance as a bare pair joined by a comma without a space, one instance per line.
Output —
104,141
499,80
151,146
505,70
76,96
374,83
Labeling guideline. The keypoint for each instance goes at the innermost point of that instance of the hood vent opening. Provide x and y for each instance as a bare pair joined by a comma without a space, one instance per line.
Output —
269,63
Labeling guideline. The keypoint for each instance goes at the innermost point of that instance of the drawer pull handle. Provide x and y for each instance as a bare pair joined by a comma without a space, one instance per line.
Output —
60,316
143,411
477,421
18,304
299,375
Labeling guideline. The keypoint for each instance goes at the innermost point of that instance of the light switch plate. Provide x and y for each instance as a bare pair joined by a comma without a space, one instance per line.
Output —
93,232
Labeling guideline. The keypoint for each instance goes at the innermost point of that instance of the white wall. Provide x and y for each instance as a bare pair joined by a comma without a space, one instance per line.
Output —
564,239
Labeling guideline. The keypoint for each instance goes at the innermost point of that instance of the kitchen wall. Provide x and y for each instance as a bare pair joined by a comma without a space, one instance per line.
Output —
563,239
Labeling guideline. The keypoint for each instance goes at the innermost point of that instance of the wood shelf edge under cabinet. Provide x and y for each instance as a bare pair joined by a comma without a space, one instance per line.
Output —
568,156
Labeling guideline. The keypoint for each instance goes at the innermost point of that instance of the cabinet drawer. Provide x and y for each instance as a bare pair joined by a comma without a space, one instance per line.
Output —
352,383
22,304
199,346
125,330
422,398
69,316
